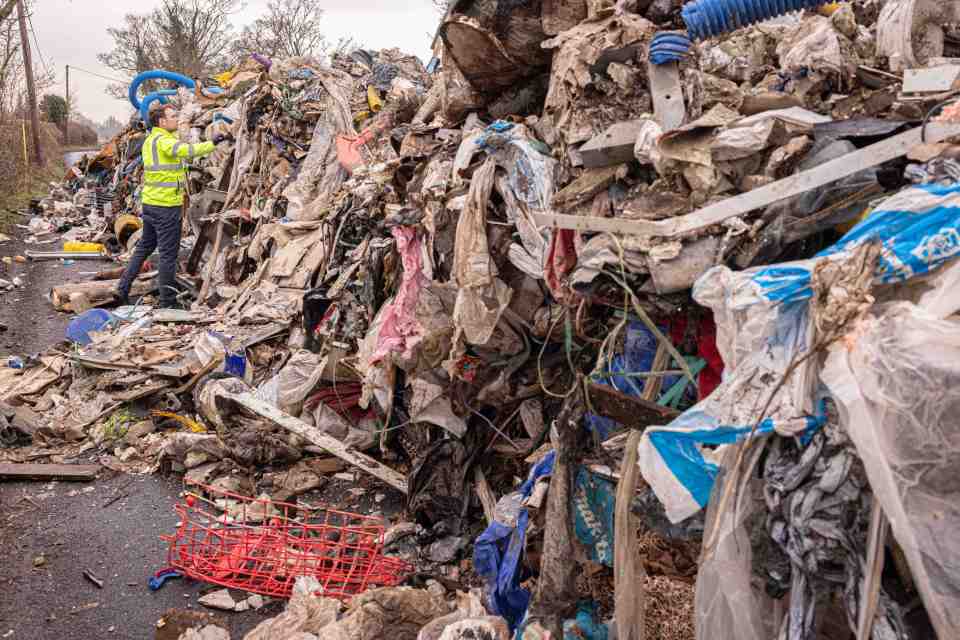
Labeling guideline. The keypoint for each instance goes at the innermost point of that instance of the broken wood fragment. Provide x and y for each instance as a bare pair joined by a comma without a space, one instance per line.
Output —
320,439
612,147
70,472
628,410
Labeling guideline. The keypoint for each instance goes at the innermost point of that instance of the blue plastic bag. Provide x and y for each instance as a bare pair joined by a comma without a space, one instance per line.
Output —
498,552
79,329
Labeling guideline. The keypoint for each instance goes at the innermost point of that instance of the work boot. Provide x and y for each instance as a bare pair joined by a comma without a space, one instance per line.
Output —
122,298
170,304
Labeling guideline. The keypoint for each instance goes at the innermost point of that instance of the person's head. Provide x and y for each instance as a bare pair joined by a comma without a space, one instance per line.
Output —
164,116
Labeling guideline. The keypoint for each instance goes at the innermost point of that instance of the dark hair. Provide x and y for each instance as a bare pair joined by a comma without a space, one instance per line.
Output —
157,113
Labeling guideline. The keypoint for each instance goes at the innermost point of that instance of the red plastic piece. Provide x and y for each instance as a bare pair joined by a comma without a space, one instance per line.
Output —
263,546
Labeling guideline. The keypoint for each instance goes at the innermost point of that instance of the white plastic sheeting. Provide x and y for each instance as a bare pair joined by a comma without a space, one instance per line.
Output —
896,381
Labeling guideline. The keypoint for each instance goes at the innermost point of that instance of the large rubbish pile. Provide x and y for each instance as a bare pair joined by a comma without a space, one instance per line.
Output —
629,337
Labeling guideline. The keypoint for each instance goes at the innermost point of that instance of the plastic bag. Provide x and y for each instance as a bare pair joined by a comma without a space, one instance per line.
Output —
898,391
726,604
290,387
212,346
498,552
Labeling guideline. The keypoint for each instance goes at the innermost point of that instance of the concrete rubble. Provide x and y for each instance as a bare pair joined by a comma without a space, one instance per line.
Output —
584,315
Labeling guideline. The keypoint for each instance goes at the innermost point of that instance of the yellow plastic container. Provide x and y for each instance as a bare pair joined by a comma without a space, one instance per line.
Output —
374,100
84,247
828,10
125,226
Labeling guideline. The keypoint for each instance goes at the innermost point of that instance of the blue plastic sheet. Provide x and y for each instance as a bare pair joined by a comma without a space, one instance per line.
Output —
93,320
498,553
919,229
585,626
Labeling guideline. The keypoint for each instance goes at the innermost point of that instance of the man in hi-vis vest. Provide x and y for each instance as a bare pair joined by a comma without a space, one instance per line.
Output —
164,188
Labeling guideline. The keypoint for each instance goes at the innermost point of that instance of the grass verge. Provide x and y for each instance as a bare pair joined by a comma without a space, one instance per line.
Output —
32,185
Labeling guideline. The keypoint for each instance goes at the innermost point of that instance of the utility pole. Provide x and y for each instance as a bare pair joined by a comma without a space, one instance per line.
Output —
31,87
66,123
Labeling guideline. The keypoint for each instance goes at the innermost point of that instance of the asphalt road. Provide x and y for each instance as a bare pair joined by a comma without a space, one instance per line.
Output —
74,527
68,523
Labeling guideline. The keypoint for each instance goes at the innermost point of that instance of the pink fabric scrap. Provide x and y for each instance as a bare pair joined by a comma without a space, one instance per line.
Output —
400,330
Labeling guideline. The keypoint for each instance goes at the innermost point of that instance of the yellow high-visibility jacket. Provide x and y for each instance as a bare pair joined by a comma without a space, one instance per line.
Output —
164,173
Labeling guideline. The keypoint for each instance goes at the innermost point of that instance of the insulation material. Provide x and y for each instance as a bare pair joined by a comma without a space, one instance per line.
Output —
570,114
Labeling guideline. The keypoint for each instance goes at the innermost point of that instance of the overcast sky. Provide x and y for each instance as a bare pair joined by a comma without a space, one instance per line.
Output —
74,31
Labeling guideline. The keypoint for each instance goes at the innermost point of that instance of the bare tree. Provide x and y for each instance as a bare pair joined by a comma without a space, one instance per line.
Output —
191,37
290,28
12,76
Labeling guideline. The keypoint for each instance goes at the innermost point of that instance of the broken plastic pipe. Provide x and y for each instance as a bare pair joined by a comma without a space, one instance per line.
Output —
710,18
66,255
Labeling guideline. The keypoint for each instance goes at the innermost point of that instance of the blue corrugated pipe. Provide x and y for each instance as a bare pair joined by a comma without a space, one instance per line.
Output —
710,18
156,74
160,96
159,74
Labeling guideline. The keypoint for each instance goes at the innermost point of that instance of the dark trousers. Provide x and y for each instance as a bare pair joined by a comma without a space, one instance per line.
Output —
161,228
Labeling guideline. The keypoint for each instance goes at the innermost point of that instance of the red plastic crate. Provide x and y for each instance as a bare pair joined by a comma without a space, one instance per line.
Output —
266,545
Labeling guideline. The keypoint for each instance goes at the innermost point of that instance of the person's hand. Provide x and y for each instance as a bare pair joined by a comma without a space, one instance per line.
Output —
221,137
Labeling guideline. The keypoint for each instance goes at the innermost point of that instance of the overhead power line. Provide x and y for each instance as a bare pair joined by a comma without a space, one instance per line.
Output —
98,75
36,43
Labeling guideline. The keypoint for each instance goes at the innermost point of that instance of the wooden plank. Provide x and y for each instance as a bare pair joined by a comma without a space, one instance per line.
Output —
612,147
628,410
824,174
168,371
97,292
71,472
487,498
320,439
